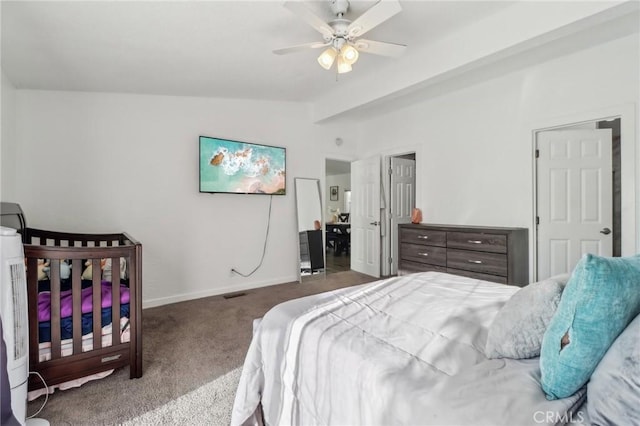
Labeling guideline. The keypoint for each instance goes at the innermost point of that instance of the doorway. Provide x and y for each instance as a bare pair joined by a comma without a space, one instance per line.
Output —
578,194
402,200
337,215
384,192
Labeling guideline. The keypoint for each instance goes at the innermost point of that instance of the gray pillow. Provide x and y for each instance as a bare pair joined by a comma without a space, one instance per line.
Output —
613,393
518,328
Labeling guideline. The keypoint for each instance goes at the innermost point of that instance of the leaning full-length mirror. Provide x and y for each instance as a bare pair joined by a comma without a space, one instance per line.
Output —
309,218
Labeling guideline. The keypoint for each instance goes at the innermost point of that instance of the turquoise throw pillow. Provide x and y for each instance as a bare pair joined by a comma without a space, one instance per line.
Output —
599,301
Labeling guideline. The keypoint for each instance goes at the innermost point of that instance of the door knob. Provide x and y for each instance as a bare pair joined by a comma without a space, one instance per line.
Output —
605,231
376,223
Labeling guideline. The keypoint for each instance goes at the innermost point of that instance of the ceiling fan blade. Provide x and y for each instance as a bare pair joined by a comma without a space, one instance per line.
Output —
379,47
309,17
373,17
300,47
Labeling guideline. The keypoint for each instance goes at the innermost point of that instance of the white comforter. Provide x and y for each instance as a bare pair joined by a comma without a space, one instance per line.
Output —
407,350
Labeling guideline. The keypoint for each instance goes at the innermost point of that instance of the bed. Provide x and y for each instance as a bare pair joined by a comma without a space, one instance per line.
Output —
78,287
404,351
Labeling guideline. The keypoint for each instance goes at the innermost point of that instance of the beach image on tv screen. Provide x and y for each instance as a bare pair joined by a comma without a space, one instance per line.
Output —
239,167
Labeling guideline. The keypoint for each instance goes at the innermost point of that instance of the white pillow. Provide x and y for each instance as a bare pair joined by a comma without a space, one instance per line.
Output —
613,393
518,328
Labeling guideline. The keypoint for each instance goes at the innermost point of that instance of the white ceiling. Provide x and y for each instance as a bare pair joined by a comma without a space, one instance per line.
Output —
223,49
204,48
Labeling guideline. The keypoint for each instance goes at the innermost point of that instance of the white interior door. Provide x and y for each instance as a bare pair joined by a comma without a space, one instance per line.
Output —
403,200
365,216
575,200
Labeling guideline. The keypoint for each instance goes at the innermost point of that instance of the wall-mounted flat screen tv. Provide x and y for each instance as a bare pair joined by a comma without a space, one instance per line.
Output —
234,167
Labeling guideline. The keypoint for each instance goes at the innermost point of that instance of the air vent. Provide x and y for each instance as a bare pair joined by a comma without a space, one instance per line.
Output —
233,295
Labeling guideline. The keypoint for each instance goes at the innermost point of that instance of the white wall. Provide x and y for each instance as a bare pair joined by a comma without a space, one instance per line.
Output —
474,147
343,182
108,162
7,143
93,162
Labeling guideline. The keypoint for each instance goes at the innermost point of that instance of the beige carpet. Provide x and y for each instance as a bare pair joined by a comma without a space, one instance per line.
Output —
210,404
185,346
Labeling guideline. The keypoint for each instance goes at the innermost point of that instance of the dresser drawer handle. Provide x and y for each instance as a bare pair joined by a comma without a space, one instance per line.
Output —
424,237
475,261
474,241
423,254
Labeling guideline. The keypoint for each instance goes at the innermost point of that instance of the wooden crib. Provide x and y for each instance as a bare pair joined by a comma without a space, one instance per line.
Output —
77,251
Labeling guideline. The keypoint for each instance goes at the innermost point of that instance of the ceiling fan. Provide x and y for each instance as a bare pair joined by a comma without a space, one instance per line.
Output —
342,36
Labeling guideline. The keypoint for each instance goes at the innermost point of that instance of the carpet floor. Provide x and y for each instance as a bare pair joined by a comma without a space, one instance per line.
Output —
186,346
210,404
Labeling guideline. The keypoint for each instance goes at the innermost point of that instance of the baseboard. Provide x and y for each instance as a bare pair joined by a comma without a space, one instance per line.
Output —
152,303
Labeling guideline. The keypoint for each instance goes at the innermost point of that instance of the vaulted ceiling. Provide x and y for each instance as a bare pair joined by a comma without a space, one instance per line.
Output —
224,48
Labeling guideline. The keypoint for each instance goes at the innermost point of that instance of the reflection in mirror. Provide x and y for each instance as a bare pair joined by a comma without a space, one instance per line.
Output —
309,218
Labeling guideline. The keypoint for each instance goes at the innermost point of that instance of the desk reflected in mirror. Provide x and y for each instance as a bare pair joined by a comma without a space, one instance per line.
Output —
309,215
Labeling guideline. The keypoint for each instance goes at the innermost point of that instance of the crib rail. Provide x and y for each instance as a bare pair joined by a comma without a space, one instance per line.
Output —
43,237
75,249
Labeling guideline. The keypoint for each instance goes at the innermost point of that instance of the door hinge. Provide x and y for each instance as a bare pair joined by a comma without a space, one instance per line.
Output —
537,220
390,171
390,260
537,153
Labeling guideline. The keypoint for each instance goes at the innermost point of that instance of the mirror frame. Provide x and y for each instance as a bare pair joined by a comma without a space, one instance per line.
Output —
296,185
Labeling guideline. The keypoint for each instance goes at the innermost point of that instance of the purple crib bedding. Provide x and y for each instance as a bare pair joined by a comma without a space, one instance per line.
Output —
66,301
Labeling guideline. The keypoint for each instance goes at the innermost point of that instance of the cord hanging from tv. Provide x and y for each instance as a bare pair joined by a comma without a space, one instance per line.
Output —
233,167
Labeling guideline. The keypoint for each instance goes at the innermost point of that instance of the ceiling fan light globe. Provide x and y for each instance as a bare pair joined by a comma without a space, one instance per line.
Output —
349,54
327,57
343,66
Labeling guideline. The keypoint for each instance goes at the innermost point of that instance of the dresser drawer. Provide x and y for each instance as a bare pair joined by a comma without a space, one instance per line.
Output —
497,254
476,261
408,267
424,254
493,243
477,275
423,236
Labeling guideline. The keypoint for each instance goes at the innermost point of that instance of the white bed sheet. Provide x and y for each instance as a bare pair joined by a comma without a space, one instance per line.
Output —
388,352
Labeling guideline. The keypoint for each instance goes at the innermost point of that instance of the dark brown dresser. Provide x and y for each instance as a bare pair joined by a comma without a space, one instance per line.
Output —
493,254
